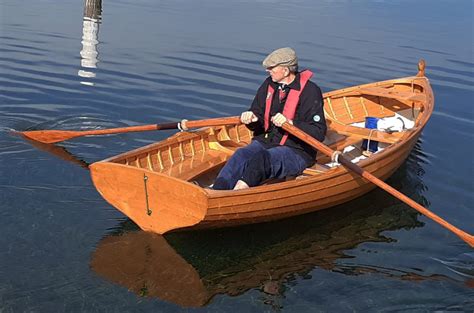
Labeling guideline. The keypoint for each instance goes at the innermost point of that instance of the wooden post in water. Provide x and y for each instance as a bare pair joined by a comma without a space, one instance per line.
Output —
93,9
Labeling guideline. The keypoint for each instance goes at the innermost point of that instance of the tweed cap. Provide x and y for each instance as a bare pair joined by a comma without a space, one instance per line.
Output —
283,56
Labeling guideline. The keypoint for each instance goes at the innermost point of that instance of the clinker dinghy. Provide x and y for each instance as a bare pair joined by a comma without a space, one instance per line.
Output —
162,186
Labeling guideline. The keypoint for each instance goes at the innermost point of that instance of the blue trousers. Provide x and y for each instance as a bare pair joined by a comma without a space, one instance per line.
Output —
254,164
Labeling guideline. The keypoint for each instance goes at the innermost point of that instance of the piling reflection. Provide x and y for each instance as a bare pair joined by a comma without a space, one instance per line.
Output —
90,41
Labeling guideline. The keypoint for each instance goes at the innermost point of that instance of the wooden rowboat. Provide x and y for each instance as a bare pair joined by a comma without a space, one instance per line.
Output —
155,185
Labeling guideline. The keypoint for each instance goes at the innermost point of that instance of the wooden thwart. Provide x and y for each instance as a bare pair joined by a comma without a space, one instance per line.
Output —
365,133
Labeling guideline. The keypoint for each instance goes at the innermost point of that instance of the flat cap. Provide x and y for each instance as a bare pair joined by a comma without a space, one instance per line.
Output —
283,56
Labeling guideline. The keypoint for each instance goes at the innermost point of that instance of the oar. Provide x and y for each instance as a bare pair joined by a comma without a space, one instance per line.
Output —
355,168
52,136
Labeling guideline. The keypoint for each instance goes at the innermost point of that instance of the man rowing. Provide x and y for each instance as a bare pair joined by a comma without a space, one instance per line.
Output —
287,95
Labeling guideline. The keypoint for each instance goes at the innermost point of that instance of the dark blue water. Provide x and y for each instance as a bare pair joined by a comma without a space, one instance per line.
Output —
68,65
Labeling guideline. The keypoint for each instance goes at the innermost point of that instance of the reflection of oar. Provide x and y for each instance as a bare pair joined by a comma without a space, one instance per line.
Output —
358,170
59,152
52,136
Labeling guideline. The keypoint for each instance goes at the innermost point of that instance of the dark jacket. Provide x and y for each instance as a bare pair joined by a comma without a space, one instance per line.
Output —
309,117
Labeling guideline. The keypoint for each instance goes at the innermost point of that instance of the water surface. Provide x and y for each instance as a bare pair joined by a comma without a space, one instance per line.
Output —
98,64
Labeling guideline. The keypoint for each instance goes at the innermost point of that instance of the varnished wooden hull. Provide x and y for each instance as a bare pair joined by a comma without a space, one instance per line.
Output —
152,185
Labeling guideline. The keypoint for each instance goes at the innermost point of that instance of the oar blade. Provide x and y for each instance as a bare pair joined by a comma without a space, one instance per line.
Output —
50,136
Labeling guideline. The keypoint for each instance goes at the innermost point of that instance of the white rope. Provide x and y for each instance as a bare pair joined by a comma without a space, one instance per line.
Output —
369,139
182,126
335,156
367,151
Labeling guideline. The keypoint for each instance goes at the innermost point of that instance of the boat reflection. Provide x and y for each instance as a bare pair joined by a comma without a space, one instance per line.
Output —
90,32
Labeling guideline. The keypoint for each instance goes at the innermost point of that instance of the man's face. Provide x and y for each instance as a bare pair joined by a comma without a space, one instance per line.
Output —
277,73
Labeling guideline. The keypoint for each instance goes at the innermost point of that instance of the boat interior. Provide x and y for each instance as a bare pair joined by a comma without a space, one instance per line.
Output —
199,155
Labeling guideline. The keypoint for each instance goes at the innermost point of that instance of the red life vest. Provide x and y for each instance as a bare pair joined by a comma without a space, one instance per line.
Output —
291,102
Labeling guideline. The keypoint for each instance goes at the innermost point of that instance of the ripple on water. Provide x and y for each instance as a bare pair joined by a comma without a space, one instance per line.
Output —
463,264
78,123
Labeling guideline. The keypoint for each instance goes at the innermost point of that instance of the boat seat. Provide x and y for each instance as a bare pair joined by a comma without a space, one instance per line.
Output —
317,168
365,133
231,144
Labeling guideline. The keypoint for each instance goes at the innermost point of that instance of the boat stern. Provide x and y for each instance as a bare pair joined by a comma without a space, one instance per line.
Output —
155,202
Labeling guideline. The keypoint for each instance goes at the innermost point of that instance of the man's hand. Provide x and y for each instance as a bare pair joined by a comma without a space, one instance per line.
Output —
248,117
279,119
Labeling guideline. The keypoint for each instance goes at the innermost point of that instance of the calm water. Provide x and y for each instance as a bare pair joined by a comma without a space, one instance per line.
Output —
116,63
